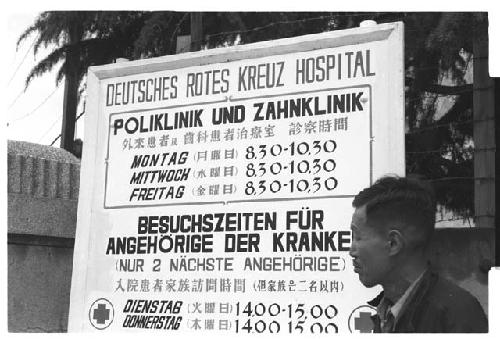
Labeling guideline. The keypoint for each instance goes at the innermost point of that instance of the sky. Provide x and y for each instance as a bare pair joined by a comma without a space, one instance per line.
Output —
34,114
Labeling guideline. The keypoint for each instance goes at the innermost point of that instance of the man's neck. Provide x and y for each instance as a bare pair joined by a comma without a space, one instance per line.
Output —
401,278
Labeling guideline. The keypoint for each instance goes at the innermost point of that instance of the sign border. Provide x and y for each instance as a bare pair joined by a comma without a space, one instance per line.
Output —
241,201
90,203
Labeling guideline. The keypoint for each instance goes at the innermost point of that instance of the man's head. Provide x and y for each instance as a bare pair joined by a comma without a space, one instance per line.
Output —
392,223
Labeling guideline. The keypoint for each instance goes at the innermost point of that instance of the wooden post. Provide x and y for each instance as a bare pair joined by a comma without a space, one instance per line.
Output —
196,31
484,132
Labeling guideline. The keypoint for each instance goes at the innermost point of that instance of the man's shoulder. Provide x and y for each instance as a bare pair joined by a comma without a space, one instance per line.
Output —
457,309
445,294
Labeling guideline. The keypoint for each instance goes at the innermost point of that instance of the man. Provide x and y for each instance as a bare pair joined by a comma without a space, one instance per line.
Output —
391,226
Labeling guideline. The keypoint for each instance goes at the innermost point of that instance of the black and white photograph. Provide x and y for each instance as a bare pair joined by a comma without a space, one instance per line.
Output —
255,172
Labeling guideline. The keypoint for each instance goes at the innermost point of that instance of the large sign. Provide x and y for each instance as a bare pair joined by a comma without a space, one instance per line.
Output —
217,186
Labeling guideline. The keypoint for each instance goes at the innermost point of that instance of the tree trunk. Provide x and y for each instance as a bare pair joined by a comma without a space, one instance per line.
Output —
70,103
196,31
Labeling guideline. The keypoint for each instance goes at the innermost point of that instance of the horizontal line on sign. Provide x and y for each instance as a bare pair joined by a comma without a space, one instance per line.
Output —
231,98
174,204
170,107
231,202
289,199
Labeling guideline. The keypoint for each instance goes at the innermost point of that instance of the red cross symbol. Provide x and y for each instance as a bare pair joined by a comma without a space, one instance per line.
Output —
360,319
101,314
363,322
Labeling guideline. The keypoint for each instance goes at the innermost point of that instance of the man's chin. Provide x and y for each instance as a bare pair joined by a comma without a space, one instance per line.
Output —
365,282
368,284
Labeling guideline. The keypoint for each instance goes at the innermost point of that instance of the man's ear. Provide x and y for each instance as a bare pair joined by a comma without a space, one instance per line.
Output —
396,242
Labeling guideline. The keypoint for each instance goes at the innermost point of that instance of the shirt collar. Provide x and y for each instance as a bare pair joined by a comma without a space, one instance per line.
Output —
384,305
378,299
399,306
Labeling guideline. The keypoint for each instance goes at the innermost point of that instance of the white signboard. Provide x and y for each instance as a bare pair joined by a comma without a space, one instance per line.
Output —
217,186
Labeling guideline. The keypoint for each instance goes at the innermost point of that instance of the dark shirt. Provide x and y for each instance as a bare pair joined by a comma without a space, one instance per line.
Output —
437,306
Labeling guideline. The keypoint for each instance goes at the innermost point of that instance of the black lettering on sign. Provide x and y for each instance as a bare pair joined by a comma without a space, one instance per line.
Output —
151,89
228,115
329,67
207,82
261,76
159,122
242,242
311,241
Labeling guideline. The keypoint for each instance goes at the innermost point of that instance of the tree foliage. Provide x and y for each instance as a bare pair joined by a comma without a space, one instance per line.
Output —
101,37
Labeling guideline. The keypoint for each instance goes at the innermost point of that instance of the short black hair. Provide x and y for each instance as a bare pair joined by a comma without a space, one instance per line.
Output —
403,201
